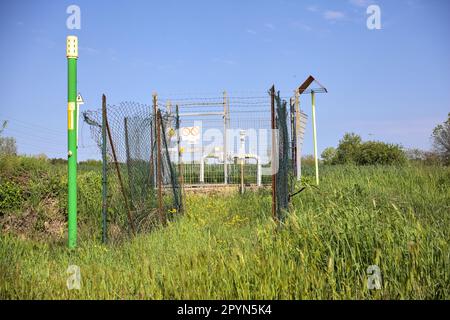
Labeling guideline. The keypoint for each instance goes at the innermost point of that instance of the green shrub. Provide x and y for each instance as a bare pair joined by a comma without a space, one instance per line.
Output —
352,150
441,141
308,160
379,153
89,195
328,155
347,149
10,195
21,166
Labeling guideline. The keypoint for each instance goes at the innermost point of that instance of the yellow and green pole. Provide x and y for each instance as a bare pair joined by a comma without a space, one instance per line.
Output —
316,159
72,56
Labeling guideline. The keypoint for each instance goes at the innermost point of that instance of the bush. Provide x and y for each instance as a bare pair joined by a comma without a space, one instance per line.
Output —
429,158
10,196
7,144
89,195
351,150
328,155
308,160
441,141
374,152
347,149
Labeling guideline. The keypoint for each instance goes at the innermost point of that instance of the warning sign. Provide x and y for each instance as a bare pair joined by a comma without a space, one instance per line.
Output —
190,134
80,99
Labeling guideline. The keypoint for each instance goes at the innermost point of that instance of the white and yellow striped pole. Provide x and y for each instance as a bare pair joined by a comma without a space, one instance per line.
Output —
316,159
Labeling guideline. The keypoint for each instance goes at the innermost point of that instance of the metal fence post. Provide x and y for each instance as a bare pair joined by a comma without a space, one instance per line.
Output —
159,166
225,120
154,160
128,158
180,157
104,174
274,174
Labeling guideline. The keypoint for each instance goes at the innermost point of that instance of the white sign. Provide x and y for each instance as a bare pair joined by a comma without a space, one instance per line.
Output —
190,134
80,99
302,128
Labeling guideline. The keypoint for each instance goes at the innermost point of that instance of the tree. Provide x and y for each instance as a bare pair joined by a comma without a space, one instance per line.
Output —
347,149
328,155
7,144
441,140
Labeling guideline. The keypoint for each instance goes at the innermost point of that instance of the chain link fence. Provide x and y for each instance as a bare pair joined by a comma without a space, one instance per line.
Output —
140,179
150,152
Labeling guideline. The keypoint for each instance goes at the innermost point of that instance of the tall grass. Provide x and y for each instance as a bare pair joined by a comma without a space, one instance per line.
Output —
227,246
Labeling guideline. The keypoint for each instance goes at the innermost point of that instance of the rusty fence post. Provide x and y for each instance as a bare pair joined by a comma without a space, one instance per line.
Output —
128,155
274,174
159,167
104,175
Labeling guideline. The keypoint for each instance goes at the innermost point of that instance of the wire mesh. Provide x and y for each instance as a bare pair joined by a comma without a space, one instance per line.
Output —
234,146
221,120
133,165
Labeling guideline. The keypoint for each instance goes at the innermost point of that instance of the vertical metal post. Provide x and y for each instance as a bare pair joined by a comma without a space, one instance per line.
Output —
192,156
72,56
258,171
180,157
242,134
225,120
298,151
242,176
316,160
154,159
159,166
293,141
128,157
202,169
104,172
274,184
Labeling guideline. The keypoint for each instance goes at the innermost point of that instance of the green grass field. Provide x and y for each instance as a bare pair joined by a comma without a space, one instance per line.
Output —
228,247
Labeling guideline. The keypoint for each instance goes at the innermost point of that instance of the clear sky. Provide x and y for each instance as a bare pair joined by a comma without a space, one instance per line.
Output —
390,84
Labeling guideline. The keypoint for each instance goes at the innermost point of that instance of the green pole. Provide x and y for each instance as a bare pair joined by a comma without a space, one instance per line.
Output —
316,159
72,56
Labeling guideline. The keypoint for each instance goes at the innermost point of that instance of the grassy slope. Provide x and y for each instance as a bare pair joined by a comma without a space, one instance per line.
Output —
228,247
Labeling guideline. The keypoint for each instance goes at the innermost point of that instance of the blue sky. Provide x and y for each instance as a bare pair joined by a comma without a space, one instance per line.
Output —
390,84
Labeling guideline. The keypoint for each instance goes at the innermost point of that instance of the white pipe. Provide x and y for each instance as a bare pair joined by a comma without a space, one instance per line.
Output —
202,170
225,116
258,165
258,173
240,156
202,166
